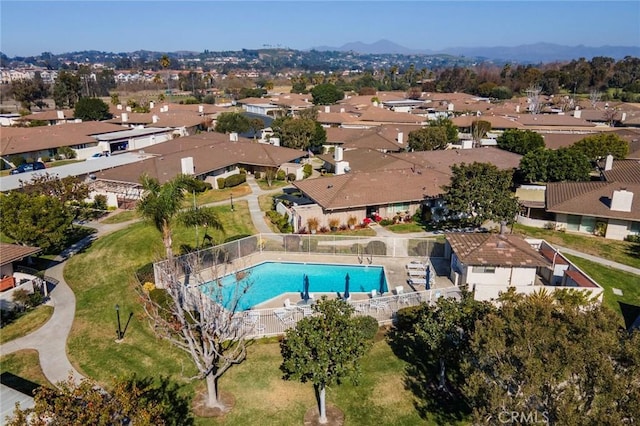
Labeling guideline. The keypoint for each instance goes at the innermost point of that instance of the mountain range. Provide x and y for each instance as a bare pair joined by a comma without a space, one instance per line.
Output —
526,53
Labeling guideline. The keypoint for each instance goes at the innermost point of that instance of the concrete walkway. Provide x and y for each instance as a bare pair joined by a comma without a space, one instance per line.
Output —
50,339
599,260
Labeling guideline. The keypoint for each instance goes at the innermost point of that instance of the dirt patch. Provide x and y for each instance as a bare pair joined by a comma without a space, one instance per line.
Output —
335,417
200,408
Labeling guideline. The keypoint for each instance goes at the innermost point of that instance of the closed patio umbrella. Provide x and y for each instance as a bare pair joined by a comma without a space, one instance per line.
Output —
428,278
346,287
305,293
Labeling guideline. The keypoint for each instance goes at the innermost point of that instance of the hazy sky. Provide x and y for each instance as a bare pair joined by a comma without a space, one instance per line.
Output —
31,27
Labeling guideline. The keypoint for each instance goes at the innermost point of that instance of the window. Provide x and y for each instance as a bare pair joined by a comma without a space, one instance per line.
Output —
398,208
635,228
484,269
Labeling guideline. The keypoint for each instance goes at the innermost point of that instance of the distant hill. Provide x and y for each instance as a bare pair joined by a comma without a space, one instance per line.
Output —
529,53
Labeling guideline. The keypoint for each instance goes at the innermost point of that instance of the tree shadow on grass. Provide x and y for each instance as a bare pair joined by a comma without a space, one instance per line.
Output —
633,250
443,406
167,394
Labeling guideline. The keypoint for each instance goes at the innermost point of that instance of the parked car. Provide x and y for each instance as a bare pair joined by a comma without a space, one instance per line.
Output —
98,155
28,167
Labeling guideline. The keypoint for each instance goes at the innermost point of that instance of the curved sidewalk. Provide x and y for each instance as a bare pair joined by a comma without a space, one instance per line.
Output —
50,340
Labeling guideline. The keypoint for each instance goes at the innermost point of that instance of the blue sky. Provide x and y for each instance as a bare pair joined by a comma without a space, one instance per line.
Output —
30,27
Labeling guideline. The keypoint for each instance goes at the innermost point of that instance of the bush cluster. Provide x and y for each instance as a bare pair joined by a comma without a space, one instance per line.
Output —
282,222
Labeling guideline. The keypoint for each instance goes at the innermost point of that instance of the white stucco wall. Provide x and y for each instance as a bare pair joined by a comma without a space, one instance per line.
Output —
617,229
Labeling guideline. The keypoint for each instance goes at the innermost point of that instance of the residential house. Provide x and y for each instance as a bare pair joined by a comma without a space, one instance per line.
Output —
12,278
206,156
489,264
370,183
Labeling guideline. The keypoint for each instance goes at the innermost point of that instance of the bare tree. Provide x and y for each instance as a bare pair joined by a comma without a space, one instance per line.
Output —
594,98
611,116
192,310
533,96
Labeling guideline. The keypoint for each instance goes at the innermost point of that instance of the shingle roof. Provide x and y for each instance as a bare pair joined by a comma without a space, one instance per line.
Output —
623,171
16,140
497,122
590,199
495,250
378,188
206,158
12,252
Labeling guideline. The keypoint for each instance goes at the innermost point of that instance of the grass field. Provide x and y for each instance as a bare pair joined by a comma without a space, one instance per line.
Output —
26,324
120,217
25,364
618,251
218,195
609,279
262,397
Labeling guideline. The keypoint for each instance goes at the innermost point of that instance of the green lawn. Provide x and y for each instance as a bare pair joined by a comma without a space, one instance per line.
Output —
405,228
102,276
25,364
618,251
26,324
124,216
275,184
609,279
217,195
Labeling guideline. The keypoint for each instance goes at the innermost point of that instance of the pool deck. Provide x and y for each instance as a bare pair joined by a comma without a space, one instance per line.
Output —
395,271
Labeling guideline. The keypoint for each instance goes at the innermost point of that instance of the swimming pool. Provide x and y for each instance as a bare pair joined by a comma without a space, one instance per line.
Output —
271,279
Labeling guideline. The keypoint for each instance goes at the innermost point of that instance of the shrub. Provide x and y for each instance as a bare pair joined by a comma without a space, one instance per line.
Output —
100,202
334,223
323,229
257,175
632,238
352,221
313,223
67,152
145,273
235,180
291,177
220,182
45,158
17,160
209,99
386,222
198,185
407,317
368,326
307,170
281,175
57,157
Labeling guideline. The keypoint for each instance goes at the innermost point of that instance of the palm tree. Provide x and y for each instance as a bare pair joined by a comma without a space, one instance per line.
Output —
165,62
161,203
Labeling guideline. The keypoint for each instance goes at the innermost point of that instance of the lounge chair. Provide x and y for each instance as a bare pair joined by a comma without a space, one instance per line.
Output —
420,273
417,281
376,303
415,264
284,316
289,306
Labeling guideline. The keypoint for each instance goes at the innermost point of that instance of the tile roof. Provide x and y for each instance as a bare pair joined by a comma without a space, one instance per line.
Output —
495,250
591,199
546,120
50,115
13,252
383,115
561,140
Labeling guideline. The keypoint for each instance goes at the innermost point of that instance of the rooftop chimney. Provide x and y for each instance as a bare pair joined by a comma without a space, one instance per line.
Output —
400,138
200,109
450,107
60,115
128,109
518,109
577,113
608,163
151,104
338,154
622,200
154,118
187,165
327,108
125,117
341,110
119,106
233,137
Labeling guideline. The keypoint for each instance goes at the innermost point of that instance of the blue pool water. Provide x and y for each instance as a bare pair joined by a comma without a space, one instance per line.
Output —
270,279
